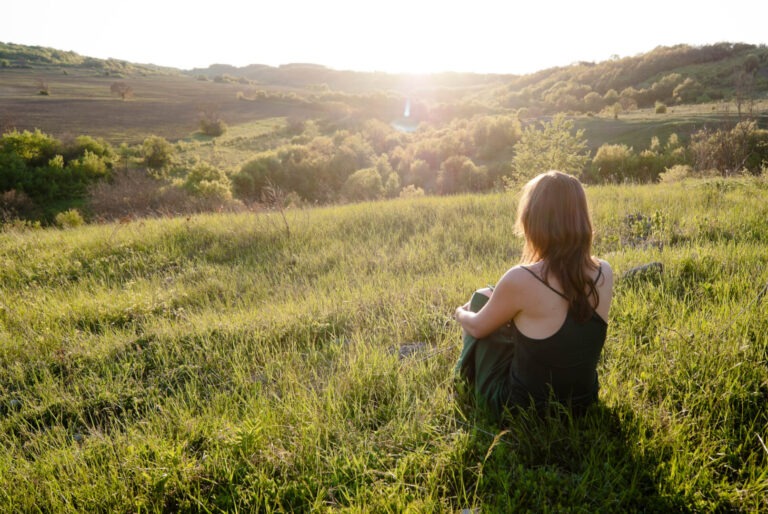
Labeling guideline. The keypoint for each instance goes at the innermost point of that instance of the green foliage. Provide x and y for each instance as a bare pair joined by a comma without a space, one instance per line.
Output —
679,73
614,163
316,171
207,181
211,123
676,174
660,108
363,184
554,147
69,219
411,191
743,147
157,153
49,172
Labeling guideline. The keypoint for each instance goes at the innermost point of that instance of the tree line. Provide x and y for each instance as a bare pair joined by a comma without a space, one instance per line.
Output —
41,175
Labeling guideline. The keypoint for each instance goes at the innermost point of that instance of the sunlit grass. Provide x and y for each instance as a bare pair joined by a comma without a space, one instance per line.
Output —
221,362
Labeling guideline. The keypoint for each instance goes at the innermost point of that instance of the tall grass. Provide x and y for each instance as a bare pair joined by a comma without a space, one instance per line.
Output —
220,363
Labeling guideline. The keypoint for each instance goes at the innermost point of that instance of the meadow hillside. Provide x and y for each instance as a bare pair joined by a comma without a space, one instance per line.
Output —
255,362
114,139
63,93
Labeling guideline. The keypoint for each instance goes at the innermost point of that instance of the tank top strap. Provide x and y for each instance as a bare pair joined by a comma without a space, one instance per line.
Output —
599,272
543,282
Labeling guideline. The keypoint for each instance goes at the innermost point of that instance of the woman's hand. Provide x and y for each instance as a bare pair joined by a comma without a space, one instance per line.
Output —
505,301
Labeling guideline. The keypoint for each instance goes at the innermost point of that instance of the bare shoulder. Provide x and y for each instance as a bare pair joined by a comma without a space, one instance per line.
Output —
516,276
606,270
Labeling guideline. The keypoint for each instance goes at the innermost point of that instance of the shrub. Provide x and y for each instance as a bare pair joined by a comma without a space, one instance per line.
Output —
69,219
363,184
411,191
15,204
661,108
744,147
139,194
121,89
211,123
157,153
46,171
614,163
675,174
207,181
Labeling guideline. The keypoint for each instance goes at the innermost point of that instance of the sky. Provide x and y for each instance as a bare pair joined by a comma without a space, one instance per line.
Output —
411,36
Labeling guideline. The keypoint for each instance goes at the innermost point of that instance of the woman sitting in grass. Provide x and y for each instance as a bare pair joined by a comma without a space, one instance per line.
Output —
537,336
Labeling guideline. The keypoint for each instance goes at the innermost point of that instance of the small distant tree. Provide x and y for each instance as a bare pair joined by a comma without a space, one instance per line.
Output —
121,89
43,88
661,108
211,122
126,153
392,185
556,146
751,63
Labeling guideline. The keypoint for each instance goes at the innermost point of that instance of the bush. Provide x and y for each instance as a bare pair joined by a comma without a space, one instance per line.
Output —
411,191
363,184
47,171
139,194
207,181
69,219
211,123
157,153
615,163
675,174
15,204
661,108
744,147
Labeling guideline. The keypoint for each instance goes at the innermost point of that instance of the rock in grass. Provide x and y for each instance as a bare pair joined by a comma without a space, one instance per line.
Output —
408,349
650,270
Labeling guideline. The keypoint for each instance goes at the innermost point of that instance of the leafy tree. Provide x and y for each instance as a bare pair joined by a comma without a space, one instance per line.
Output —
594,102
751,63
48,172
743,147
688,91
211,122
364,185
121,89
207,181
392,185
555,146
614,163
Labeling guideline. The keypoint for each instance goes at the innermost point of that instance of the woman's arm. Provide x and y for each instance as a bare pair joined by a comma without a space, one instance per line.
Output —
504,304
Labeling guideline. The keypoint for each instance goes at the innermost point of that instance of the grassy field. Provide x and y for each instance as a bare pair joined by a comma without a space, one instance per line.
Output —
636,128
80,102
240,362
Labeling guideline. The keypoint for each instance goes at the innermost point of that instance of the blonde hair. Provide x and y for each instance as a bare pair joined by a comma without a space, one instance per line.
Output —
554,219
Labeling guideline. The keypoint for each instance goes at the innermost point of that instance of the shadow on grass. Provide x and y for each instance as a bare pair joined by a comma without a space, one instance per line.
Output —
559,461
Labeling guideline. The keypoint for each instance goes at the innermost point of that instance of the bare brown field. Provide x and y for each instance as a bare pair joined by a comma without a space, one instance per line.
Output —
167,105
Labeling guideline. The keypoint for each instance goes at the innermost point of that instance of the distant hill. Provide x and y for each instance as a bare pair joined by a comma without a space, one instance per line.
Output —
30,57
167,101
680,74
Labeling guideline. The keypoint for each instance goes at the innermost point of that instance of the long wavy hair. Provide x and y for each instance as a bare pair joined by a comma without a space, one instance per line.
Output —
553,217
